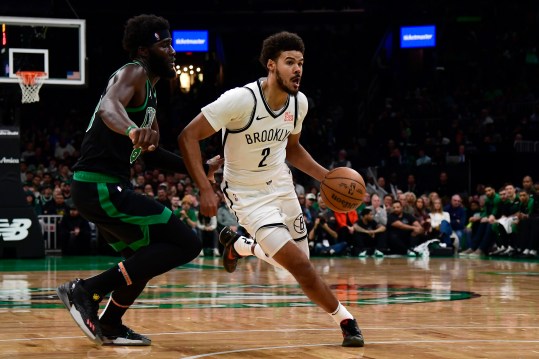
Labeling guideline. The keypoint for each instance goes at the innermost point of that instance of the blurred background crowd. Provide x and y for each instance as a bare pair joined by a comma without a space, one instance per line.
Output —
450,129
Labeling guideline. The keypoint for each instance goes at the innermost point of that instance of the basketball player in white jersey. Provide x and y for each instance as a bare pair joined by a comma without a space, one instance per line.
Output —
261,125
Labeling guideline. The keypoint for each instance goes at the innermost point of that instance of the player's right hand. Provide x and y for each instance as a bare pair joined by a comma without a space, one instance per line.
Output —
208,203
145,138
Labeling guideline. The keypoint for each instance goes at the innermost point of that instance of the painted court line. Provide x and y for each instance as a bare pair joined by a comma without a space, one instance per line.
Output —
396,342
291,330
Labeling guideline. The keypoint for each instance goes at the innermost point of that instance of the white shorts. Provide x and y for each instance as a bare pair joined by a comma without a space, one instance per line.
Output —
270,204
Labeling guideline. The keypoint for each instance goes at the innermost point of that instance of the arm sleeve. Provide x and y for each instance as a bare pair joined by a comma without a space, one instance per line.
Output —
213,223
383,217
200,225
447,217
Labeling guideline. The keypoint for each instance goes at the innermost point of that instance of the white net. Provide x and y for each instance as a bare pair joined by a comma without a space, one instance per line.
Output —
30,83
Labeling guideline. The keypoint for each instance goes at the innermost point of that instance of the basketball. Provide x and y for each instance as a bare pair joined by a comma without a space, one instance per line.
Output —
342,189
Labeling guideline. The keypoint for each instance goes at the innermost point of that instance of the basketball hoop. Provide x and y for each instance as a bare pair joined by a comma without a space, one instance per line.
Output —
30,83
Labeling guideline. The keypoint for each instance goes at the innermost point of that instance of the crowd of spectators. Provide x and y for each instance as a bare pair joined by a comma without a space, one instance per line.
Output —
395,218
501,222
413,143
409,158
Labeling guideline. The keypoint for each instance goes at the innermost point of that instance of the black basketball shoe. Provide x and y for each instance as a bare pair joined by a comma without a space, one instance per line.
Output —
228,237
122,335
82,308
351,333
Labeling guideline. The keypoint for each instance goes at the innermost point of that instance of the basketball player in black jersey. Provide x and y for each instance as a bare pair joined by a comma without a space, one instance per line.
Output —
148,236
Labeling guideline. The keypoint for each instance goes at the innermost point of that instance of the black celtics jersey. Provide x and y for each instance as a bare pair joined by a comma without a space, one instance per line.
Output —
105,151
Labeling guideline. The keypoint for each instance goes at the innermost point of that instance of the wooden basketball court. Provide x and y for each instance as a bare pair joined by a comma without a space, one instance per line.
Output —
407,308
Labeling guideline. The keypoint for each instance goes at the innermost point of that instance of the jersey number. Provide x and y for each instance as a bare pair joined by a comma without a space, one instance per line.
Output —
265,153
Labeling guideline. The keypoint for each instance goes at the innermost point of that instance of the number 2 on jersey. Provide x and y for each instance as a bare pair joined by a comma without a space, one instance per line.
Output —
265,154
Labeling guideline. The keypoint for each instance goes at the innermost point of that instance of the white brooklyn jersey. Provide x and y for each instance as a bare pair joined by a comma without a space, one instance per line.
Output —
254,136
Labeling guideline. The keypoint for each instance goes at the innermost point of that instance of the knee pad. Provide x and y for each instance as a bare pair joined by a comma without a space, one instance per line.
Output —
271,239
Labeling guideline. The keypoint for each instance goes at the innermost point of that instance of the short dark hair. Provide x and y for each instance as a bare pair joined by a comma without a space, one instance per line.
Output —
279,42
138,31
365,211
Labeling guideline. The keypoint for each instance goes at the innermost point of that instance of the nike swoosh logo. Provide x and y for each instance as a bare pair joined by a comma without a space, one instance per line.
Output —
258,118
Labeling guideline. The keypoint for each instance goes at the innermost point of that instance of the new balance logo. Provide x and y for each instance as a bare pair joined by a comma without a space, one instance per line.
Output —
17,230
258,118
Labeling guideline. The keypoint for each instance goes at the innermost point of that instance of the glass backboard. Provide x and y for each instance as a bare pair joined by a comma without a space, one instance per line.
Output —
54,46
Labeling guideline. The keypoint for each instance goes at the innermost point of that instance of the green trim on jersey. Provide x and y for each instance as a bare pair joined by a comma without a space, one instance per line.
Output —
142,107
85,176
149,92
143,221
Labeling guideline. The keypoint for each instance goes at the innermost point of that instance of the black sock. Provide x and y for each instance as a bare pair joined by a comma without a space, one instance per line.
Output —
120,300
142,265
156,259
102,284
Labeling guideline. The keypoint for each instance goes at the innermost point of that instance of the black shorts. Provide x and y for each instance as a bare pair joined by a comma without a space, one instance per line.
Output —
126,219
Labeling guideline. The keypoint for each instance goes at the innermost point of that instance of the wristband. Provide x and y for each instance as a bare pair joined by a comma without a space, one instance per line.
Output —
129,129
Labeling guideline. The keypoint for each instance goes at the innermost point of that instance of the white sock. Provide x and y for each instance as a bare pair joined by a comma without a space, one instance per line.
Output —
340,314
243,246
247,247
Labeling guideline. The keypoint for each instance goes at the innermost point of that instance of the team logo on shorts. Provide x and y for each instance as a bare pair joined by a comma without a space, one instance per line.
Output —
299,224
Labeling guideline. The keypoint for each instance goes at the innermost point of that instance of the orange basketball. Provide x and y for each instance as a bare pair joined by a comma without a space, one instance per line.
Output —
343,189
